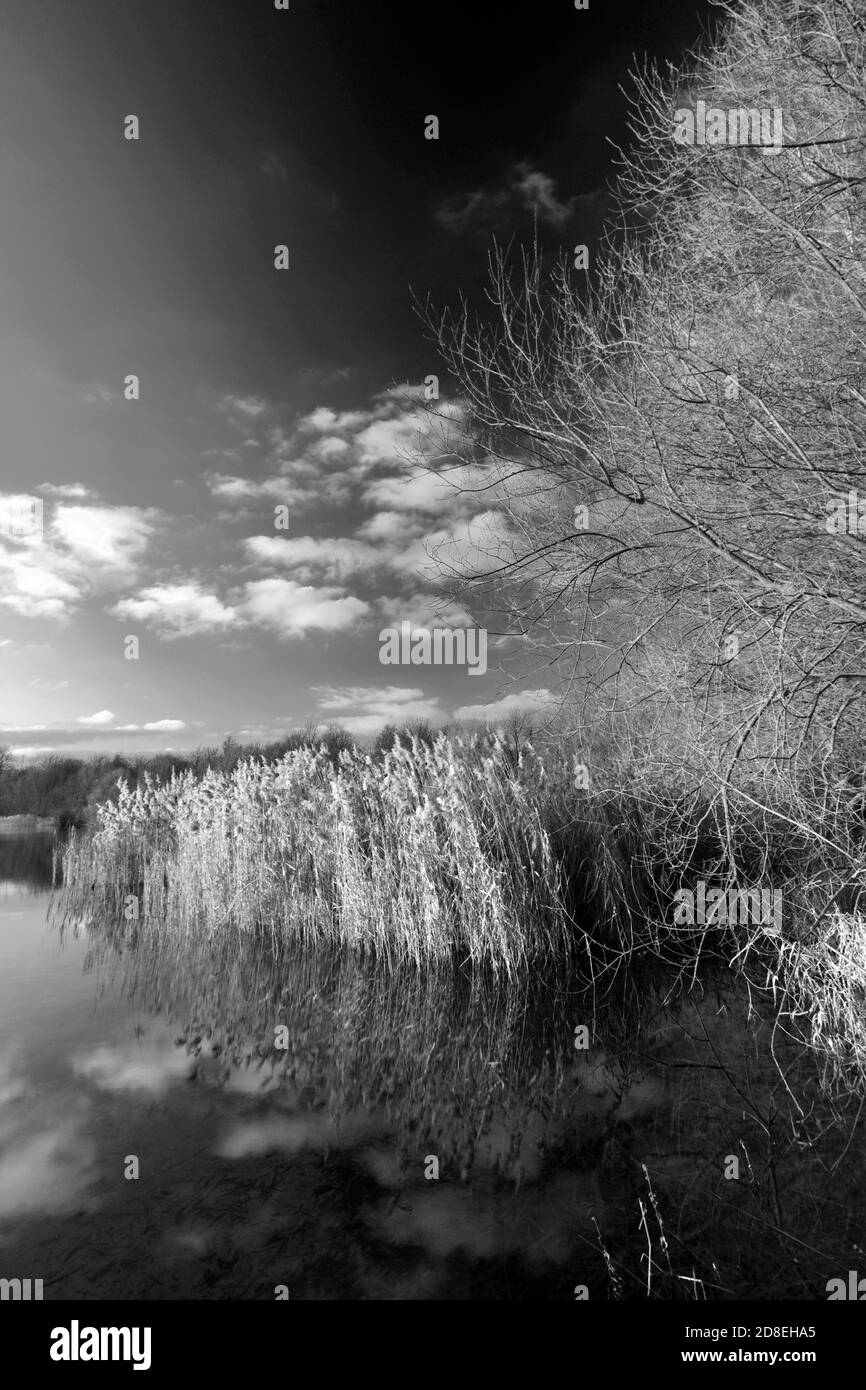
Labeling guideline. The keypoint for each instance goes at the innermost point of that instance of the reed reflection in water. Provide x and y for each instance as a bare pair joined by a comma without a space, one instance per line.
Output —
557,1165
26,861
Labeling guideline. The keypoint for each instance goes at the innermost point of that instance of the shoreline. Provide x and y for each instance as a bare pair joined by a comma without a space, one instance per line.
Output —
17,825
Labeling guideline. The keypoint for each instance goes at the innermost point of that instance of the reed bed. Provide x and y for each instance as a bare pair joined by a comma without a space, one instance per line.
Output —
469,851
431,852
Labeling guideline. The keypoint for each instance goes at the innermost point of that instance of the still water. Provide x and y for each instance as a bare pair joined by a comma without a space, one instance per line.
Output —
286,1113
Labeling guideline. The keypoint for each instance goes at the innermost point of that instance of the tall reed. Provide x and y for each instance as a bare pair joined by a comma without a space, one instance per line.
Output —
428,853
466,851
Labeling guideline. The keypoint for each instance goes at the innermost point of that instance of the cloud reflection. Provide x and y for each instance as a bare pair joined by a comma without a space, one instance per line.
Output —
47,1160
292,1134
153,1064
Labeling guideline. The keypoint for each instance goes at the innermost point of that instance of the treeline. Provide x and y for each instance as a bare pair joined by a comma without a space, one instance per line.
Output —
69,789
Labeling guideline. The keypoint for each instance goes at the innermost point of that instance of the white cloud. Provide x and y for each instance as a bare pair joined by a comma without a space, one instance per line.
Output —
177,610
251,407
102,717
400,437
538,702
64,490
390,527
477,546
328,456
526,190
397,429
83,730
32,587
460,488
425,611
370,708
536,192
340,696
237,489
111,537
323,419
330,559
84,549
330,447
278,605
292,609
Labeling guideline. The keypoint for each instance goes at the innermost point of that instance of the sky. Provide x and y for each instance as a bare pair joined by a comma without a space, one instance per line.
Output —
221,555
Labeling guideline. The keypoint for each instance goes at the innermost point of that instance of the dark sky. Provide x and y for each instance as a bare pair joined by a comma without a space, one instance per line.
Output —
332,95
258,127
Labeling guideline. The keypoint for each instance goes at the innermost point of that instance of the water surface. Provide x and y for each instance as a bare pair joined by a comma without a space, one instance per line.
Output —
286,1110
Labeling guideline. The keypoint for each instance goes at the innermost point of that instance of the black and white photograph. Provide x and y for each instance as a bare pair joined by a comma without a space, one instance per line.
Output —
432,665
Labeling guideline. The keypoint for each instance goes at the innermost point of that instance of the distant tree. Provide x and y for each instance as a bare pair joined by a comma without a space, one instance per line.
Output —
298,738
385,740
230,754
335,741
419,729
517,731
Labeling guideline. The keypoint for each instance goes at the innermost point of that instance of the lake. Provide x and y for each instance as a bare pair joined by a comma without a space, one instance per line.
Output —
187,1119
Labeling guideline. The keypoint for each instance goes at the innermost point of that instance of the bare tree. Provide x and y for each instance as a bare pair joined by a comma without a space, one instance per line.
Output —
696,415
